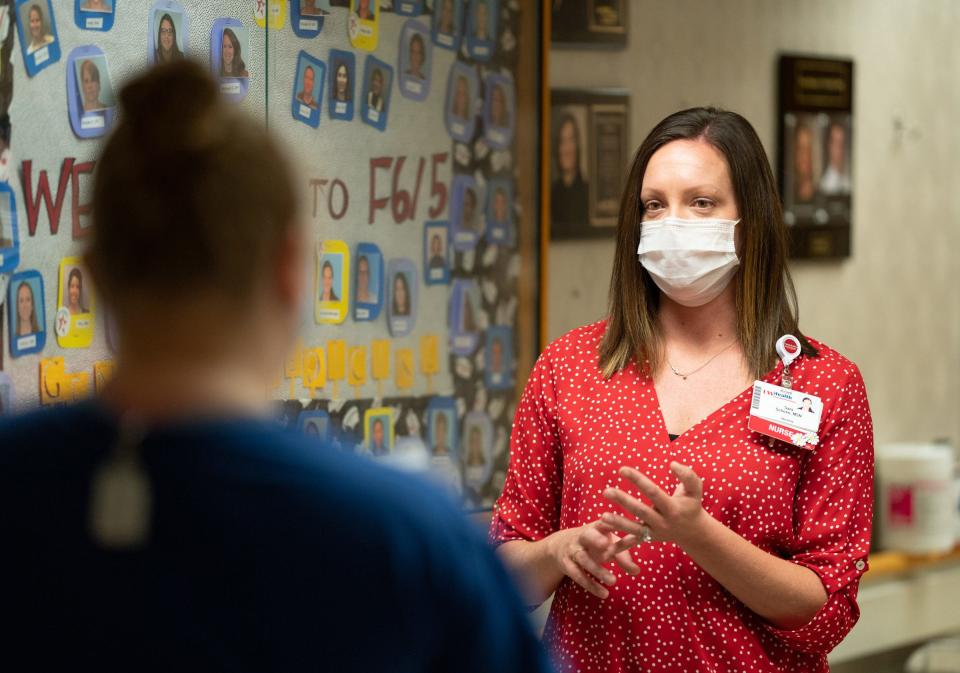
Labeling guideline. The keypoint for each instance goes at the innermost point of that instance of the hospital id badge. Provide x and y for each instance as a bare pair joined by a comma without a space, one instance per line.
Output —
788,415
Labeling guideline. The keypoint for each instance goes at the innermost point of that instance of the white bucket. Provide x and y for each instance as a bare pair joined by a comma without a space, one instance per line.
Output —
916,498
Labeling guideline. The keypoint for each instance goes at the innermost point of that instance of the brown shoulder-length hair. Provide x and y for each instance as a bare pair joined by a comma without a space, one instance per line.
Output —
766,299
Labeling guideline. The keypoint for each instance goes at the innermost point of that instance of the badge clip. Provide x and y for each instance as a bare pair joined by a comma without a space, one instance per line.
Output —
788,348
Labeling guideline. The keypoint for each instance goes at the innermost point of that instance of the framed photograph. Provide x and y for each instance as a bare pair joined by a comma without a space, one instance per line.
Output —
589,157
815,143
592,23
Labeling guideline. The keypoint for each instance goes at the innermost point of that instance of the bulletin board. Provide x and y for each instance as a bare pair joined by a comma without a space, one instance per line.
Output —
413,126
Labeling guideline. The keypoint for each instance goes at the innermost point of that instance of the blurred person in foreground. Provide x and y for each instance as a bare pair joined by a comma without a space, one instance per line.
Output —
169,524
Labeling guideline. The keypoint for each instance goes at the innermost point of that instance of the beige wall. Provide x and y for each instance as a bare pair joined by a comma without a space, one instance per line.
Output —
894,306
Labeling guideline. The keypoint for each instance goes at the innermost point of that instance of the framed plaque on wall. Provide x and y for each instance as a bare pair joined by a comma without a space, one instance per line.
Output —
815,152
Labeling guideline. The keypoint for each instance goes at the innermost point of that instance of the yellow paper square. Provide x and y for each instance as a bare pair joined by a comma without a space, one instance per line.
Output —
357,366
381,359
102,373
405,368
336,359
51,380
429,355
314,369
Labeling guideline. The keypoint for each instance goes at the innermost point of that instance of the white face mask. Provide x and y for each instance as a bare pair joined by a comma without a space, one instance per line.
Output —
691,261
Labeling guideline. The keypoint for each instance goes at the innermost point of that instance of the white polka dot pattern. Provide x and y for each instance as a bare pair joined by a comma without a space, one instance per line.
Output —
573,430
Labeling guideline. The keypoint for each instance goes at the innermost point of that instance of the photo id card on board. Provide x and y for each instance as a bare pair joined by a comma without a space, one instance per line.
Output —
342,72
307,95
167,31
75,313
37,29
307,17
28,317
229,53
9,230
91,102
788,415
93,14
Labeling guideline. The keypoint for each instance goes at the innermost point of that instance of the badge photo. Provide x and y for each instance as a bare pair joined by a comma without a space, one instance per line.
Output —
168,32
462,86
476,449
75,305
378,431
93,14
363,24
498,358
377,82
447,19
368,283
499,111
436,253
332,288
415,60
91,103
442,434
28,317
482,29
315,424
37,29
308,90
9,230
442,426
342,73
464,315
499,212
402,303
408,7
466,225
307,16
229,49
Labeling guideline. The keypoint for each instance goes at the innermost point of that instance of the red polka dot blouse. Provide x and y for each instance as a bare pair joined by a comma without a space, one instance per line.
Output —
573,431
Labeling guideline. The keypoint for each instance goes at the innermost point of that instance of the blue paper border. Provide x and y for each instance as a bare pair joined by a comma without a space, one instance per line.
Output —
350,59
53,48
371,62
82,17
10,257
183,41
402,325
440,279
39,307
216,45
410,27
373,308
314,119
462,70
73,90
482,50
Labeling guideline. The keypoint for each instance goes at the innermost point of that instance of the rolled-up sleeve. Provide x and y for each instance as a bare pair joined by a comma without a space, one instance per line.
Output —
529,507
833,509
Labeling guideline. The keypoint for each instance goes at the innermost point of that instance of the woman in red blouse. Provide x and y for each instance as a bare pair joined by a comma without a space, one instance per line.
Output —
673,537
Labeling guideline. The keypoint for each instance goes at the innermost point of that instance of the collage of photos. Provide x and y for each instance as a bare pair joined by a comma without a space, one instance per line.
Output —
355,283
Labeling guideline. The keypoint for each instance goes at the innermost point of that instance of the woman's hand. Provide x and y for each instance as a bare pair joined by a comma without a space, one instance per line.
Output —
580,554
675,518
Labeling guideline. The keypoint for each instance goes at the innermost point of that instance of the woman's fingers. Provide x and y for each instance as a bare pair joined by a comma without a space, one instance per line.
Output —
643,512
577,574
597,542
624,560
691,483
590,564
661,501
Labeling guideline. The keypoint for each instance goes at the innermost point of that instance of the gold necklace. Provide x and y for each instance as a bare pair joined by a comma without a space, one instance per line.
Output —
712,358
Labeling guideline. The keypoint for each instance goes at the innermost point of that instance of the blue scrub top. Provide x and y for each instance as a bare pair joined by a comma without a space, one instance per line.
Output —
266,552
